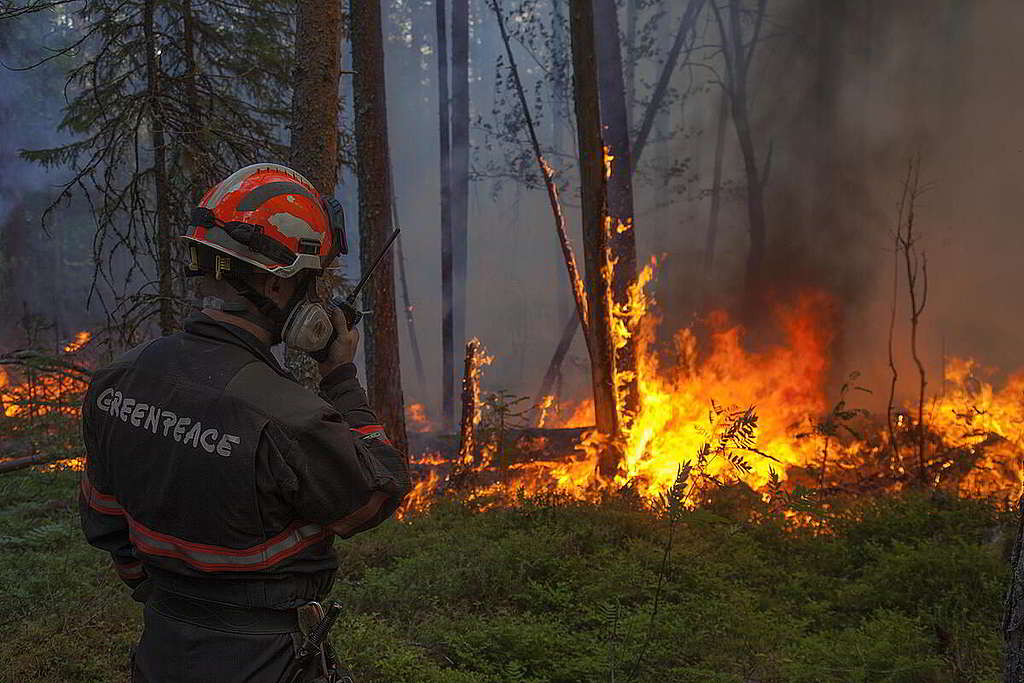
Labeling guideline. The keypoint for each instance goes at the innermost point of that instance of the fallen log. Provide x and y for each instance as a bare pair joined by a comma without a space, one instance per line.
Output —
29,460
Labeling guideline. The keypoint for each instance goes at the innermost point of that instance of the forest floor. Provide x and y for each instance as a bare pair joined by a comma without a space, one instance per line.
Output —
905,588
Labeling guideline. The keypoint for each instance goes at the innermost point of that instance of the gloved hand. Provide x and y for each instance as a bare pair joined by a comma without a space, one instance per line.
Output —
343,349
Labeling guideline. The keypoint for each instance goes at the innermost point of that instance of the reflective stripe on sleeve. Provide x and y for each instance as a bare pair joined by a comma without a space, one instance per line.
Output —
206,557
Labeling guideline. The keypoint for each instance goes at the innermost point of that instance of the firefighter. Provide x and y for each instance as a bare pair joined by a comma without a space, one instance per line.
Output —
216,482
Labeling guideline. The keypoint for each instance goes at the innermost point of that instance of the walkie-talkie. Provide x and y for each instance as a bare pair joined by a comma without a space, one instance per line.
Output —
348,305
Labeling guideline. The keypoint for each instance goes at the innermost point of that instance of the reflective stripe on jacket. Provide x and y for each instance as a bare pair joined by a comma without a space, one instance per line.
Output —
212,471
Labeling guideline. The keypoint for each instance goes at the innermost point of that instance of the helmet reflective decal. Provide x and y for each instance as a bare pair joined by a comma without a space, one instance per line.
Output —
261,194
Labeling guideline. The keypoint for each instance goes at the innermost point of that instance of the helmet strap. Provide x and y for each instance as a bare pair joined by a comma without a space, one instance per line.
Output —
268,311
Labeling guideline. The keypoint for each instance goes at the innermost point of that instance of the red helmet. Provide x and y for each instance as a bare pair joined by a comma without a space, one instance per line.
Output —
270,217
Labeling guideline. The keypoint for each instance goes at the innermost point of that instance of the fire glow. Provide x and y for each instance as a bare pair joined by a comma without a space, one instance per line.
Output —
974,431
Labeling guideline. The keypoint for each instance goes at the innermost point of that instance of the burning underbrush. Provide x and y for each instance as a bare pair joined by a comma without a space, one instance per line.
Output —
712,411
40,398
722,416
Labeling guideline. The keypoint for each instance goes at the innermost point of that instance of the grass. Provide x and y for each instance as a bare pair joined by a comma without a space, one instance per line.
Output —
904,588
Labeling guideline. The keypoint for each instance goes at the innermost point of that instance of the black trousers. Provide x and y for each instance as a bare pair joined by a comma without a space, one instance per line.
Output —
175,651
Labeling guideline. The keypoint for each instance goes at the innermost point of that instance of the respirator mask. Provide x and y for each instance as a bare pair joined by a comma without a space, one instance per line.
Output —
308,326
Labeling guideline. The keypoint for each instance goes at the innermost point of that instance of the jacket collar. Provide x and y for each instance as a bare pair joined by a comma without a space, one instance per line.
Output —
203,325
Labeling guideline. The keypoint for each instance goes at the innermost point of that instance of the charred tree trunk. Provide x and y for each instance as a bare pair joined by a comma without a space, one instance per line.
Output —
460,167
161,188
470,402
595,229
383,370
447,321
612,95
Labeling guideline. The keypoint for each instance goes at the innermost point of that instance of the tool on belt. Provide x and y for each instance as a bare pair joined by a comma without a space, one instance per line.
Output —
315,649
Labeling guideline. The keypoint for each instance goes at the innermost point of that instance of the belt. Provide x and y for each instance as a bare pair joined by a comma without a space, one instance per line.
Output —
221,617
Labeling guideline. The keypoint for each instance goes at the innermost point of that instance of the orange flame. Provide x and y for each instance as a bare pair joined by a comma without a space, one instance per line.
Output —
81,339
416,418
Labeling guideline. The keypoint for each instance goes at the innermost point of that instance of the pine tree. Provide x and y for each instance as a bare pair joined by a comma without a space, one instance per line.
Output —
165,97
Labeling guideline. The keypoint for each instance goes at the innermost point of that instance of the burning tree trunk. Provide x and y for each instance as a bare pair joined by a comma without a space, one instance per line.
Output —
470,401
595,229
622,242
460,167
161,189
383,370
738,52
447,322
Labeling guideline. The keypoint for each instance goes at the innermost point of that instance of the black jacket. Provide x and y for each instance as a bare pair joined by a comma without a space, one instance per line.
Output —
215,474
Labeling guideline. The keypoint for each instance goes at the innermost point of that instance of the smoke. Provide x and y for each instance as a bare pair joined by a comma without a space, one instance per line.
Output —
43,276
844,94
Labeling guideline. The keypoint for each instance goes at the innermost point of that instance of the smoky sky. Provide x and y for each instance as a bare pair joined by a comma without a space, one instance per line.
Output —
935,78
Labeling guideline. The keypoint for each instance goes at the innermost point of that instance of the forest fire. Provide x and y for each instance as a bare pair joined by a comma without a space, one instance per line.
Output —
39,394
693,393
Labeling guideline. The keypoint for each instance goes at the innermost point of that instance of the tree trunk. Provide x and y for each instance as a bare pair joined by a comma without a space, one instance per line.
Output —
1013,614
447,321
554,367
199,177
686,27
163,219
315,102
739,53
460,167
755,205
613,114
410,318
595,228
383,370
314,134
716,191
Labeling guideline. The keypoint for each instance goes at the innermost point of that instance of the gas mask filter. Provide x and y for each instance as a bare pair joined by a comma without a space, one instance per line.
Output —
308,327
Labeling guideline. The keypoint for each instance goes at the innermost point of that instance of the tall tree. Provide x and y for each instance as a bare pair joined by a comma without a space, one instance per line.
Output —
447,306
460,167
146,72
738,46
383,369
615,117
314,121
595,229
316,99
159,169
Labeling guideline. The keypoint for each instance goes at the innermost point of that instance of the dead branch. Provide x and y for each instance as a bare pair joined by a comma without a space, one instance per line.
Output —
575,281
686,28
